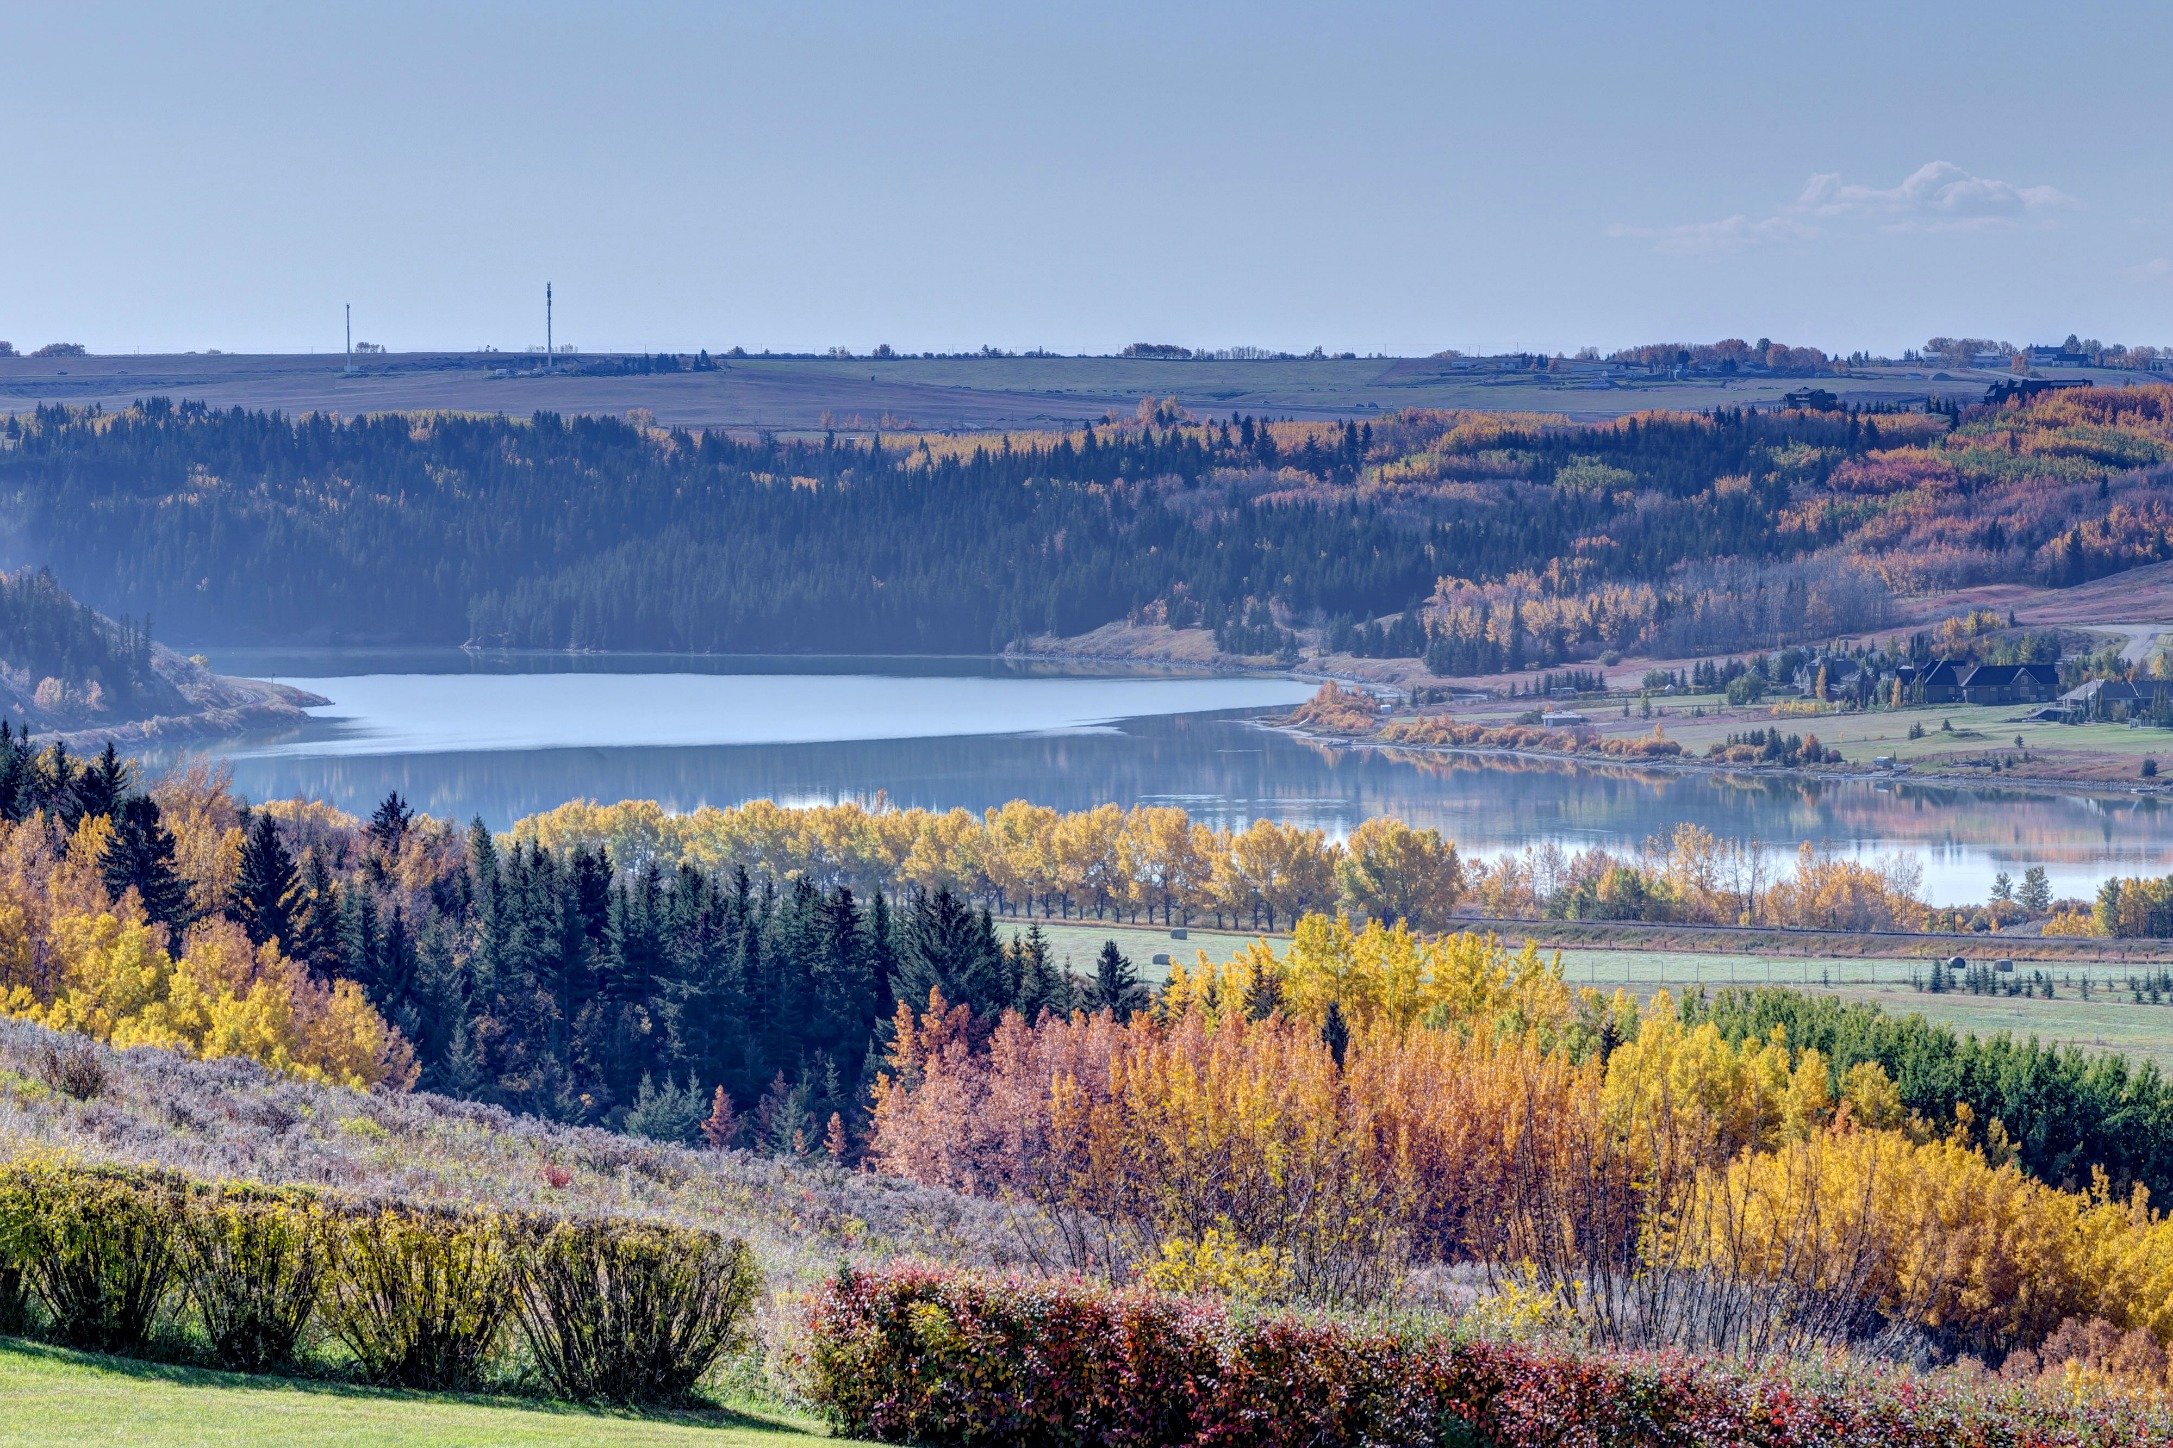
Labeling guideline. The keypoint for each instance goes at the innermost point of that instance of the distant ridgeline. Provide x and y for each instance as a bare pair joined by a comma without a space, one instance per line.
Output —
63,664
1523,538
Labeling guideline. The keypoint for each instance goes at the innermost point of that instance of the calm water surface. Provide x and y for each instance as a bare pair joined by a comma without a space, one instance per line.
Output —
505,735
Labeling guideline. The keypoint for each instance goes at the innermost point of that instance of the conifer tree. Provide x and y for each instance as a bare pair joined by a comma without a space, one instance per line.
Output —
1117,987
140,856
389,821
102,785
264,891
315,917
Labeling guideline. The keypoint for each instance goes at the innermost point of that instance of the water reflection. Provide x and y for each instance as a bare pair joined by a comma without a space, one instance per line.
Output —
1215,762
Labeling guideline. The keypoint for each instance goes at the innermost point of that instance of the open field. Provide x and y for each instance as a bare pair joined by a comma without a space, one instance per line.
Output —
1994,743
49,1395
2111,1020
862,394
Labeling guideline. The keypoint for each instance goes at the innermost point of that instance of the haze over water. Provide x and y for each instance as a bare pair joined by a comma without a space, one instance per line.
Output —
504,735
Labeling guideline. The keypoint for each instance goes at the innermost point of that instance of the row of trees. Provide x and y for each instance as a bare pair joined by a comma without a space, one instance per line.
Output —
1157,863
1152,862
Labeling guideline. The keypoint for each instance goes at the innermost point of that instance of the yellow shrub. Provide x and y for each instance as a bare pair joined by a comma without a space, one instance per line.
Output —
1217,1262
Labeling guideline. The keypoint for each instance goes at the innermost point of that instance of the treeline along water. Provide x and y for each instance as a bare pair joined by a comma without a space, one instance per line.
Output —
986,735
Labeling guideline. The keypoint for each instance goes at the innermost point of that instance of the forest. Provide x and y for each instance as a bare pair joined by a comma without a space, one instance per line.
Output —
736,976
62,657
1512,539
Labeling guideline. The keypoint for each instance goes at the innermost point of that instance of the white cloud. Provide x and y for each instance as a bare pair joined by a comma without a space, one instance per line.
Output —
2157,269
1937,196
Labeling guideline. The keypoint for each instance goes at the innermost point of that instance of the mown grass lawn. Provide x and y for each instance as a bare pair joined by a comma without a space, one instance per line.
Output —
49,1396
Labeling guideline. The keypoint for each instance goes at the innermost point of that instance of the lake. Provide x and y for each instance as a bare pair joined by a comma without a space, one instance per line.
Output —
503,735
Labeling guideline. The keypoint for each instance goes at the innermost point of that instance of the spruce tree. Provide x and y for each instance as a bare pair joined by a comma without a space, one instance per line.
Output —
1335,1033
1117,987
102,785
389,821
1041,986
315,918
948,946
139,856
263,898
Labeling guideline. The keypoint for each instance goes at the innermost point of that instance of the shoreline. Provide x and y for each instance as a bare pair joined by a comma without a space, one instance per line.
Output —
2044,784
262,704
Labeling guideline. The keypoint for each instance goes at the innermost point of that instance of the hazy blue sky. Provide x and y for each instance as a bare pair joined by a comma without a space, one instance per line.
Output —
1399,177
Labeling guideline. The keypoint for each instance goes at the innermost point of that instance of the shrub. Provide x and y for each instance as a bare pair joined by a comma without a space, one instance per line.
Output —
255,1265
952,1359
73,1070
626,1312
418,1295
98,1248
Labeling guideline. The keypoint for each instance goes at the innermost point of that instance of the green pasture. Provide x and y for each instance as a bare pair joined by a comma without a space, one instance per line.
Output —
49,1395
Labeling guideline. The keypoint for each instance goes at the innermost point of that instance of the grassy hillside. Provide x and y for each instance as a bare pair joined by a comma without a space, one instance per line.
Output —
55,1396
233,1119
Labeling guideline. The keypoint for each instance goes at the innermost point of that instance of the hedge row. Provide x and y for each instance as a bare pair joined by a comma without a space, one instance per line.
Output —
257,1280
907,1355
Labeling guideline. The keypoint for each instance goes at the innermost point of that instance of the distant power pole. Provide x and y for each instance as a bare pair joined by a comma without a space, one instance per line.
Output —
550,350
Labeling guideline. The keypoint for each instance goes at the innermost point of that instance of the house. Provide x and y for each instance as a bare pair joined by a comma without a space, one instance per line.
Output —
1940,681
1563,719
2059,356
2010,684
2024,388
1845,678
2116,699
1811,399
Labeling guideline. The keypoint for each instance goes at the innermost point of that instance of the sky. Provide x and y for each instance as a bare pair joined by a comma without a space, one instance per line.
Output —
1367,177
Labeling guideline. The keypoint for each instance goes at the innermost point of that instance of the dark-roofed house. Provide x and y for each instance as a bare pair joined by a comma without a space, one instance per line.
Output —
2117,699
2011,684
1941,680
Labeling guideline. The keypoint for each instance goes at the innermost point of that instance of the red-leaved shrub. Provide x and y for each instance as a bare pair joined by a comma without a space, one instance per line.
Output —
909,1355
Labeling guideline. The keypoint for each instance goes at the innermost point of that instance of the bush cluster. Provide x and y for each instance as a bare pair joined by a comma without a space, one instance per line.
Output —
953,1359
255,1279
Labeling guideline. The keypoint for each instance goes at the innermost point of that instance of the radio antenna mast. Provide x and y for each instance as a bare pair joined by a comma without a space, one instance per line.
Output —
550,351
350,339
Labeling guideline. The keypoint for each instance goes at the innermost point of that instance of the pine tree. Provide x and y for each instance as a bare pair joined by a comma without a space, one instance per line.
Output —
389,822
1117,987
102,785
1335,1033
139,856
263,898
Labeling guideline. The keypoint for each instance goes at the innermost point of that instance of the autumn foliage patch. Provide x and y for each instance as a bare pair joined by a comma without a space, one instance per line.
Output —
909,1355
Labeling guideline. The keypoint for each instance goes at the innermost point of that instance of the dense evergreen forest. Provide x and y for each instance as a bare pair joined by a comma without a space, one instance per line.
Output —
591,532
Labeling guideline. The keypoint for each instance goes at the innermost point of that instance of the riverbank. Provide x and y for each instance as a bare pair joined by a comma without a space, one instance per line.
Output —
1977,746
224,707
